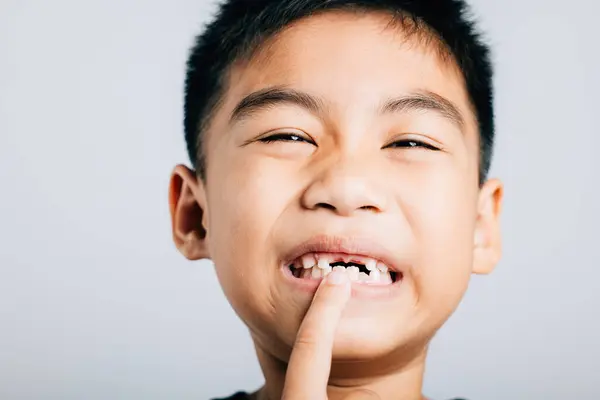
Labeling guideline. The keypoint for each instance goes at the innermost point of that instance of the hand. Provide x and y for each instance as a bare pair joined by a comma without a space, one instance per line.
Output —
310,361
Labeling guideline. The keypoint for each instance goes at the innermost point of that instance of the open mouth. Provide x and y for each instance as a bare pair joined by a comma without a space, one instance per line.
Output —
360,269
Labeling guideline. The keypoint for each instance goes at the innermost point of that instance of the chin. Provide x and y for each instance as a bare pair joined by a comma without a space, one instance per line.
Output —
357,340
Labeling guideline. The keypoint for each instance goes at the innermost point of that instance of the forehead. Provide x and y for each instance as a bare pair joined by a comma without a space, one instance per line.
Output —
352,61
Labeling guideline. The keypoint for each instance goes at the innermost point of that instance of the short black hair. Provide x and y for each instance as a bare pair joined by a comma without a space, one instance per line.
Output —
241,26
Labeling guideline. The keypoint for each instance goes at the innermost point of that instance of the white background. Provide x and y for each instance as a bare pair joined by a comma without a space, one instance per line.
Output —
95,303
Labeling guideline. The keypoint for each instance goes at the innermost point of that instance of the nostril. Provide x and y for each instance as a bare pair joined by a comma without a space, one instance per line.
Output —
325,205
368,208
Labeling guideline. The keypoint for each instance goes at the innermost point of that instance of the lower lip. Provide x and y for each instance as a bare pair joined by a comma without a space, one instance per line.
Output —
359,290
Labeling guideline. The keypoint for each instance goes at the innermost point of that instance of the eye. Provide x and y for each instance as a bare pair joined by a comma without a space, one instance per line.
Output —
411,143
285,137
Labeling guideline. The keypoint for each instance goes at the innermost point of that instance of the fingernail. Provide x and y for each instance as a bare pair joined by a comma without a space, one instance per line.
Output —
336,278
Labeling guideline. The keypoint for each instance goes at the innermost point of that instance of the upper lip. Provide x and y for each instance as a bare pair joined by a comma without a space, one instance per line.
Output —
346,245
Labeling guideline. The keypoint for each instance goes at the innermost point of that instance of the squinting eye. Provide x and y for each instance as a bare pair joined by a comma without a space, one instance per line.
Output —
411,143
285,137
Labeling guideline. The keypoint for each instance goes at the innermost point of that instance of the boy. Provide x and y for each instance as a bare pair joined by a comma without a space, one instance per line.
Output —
340,151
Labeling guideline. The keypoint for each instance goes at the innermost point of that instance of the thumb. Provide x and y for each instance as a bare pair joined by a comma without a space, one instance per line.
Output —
310,361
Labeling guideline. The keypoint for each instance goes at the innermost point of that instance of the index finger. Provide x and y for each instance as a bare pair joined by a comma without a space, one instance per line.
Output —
310,361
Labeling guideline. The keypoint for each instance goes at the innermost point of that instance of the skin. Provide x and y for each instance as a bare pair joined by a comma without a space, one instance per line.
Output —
406,179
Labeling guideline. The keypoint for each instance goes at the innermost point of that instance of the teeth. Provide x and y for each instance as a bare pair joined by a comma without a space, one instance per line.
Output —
317,266
316,273
308,261
375,275
353,273
371,264
363,277
382,267
386,278
323,262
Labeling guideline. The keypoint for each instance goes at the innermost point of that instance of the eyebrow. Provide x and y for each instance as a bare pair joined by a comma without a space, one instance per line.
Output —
417,101
425,101
270,97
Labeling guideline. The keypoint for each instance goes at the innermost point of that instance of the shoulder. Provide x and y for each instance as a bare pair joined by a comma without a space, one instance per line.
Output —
237,396
246,396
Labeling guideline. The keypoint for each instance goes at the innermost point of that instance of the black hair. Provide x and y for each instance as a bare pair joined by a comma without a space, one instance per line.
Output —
241,26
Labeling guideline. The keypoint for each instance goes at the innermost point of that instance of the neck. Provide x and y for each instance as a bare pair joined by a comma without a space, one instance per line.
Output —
382,378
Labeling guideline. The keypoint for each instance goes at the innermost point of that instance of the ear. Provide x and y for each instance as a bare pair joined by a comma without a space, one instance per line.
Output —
487,239
187,203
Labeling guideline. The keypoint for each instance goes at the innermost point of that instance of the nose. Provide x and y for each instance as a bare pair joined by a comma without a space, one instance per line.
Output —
344,188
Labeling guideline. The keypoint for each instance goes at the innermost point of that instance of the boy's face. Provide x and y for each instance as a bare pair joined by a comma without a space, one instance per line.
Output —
380,159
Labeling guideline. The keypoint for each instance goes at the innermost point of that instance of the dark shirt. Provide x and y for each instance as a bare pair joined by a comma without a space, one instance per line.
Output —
245,396
237,396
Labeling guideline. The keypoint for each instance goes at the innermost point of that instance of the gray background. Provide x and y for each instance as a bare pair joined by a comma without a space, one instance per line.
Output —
95,303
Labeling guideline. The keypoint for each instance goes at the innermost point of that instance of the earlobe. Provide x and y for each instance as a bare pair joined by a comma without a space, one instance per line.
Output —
487,244
187,205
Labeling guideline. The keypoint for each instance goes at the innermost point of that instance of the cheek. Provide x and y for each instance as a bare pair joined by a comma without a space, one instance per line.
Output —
245,202
243,206
443,221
